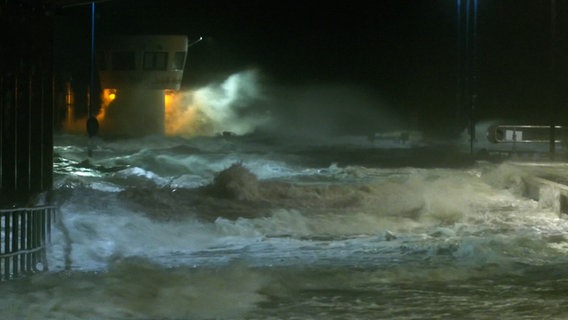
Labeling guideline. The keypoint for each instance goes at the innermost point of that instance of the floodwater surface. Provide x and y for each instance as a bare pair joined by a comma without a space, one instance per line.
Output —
260,228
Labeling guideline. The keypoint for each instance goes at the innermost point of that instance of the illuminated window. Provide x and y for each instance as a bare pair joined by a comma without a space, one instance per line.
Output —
123,60
155,60
179,60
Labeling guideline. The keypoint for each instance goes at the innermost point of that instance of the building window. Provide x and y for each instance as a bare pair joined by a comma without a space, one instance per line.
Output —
123,60
179,60
155,60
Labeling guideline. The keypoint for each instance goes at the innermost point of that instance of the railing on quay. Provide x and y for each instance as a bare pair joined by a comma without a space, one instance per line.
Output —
25,233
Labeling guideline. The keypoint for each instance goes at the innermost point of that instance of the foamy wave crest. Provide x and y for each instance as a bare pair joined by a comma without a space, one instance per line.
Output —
422,199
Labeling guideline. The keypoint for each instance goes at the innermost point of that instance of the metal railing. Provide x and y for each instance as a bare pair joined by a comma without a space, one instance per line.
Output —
25,233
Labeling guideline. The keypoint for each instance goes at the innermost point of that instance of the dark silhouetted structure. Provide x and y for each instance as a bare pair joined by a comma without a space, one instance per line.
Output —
26,104
26,133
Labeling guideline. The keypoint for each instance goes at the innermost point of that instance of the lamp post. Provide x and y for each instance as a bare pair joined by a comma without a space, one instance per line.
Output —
92,122
552,75
467,63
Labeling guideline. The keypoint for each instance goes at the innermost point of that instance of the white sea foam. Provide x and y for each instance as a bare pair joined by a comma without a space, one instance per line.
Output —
281,237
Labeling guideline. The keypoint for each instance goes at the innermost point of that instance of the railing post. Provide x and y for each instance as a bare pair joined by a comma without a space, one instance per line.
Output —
25,236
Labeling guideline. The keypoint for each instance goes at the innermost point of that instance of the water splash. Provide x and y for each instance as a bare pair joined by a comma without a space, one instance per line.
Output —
216,108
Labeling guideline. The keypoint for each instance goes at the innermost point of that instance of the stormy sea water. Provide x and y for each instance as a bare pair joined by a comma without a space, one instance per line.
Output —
253,227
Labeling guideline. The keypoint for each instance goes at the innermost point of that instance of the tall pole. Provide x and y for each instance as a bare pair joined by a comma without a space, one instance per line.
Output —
92,122
467,71
92,78
473,76
552,75
466,96
459,65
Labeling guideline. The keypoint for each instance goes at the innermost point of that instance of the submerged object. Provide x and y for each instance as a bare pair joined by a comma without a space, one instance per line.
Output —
92,126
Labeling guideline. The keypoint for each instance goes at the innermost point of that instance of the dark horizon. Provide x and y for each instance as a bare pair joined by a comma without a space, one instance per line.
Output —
406,53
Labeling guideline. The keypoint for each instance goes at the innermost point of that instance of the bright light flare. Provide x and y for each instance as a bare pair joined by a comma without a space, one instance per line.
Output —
108,96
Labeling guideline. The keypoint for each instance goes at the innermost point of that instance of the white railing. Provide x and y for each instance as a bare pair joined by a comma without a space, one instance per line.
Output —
25,232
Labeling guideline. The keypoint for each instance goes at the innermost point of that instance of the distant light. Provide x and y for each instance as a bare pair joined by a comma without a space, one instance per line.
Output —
109,94
195,42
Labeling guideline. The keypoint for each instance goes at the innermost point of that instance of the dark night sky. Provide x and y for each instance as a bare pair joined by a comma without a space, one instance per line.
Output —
404,51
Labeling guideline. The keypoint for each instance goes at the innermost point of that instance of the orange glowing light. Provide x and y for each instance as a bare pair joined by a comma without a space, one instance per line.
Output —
108,96
168,97
180,116
170,110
